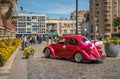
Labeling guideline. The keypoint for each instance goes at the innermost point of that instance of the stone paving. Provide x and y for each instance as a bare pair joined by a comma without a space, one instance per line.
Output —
64,69
38,67
19,67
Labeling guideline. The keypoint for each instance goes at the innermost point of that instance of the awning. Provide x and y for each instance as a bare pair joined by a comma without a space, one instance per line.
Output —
52,34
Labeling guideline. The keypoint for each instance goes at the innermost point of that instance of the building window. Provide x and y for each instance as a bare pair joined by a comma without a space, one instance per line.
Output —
92,31
65,31
28,30
97,4
34,17
28,19
71,31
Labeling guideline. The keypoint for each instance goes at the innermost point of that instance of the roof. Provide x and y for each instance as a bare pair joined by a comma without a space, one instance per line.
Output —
23,14
74,36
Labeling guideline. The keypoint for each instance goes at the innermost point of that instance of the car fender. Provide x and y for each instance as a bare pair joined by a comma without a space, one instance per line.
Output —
86,55
51,50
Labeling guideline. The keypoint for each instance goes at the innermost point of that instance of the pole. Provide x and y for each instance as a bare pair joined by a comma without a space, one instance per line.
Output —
95,28
76,17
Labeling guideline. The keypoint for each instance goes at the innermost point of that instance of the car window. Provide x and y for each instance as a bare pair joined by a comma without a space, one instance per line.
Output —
72,41
62,41
85,40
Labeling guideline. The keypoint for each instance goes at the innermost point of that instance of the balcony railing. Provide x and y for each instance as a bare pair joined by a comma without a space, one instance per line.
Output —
21,19
34,26
29,32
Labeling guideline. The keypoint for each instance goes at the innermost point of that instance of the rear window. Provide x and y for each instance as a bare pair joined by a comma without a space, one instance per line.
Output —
85,40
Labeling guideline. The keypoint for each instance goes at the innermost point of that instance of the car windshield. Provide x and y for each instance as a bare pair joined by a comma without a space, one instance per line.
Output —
85,40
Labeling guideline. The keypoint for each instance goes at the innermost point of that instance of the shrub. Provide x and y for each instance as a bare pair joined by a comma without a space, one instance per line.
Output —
113,40
32,50
7,47
27,51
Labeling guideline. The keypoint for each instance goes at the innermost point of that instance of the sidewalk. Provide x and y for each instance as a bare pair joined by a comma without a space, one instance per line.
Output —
5,70
19,67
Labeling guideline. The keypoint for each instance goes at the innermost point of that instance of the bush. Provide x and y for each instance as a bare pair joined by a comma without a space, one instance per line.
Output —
7,47
113,40
27,51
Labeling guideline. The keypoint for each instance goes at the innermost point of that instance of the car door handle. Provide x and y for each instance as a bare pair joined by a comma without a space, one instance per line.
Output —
64,46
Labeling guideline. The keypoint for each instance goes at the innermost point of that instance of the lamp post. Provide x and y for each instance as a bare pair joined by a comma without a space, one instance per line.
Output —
76,17
95,28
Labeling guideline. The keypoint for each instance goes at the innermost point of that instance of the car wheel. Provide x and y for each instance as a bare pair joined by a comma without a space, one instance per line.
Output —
78,57
47,53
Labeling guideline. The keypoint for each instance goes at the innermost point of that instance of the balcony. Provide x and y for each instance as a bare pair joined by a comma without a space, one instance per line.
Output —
41,19
29,32
34,26
21,19
28,19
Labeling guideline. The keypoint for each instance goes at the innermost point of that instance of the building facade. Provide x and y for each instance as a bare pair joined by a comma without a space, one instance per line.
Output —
102,14
82,19
6,27
62,26
29,24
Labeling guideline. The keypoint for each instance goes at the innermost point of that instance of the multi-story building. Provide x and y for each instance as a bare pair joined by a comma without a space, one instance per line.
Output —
62,26
102,14
29,24
82,19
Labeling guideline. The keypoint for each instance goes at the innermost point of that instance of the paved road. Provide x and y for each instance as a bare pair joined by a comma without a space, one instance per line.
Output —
39,67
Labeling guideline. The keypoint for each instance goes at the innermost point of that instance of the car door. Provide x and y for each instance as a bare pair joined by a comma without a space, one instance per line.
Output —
61,47
71,47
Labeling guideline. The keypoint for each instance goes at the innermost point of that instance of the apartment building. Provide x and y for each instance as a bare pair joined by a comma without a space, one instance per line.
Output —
31,24
61,26
102,14
82,19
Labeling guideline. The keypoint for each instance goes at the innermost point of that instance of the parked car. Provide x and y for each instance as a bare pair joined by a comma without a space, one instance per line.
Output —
75,47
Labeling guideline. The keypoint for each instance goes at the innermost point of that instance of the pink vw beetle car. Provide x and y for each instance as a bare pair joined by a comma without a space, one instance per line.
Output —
75,47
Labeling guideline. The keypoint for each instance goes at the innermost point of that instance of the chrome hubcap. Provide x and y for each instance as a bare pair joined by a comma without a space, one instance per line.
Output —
77,57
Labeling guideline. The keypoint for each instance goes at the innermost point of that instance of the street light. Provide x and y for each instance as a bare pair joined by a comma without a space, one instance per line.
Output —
76,17
95,28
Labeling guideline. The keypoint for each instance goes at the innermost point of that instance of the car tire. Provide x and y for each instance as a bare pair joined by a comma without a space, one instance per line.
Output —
47,53
78,57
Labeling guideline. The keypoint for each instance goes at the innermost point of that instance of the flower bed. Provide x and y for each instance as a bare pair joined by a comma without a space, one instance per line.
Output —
7,47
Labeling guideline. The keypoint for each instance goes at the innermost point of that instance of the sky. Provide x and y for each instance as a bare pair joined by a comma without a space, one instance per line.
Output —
52,8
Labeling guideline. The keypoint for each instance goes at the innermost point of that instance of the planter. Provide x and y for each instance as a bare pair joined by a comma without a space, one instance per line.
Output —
112,50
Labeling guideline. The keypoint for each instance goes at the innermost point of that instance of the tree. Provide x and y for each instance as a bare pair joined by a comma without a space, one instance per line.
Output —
116,22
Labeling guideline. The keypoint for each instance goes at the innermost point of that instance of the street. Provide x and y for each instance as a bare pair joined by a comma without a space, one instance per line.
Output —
39,67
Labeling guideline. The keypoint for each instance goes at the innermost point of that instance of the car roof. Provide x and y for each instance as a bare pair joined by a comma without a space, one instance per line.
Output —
74,36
